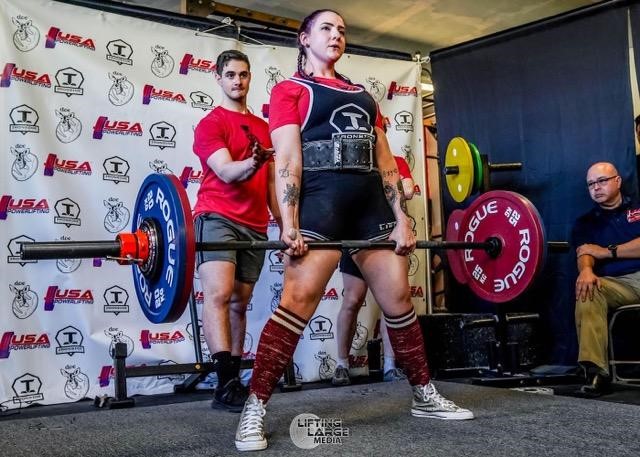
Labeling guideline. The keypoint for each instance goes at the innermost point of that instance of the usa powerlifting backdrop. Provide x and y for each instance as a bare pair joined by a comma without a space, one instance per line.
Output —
556,97
92,102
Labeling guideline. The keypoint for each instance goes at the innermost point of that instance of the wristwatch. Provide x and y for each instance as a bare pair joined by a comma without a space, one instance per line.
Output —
614,250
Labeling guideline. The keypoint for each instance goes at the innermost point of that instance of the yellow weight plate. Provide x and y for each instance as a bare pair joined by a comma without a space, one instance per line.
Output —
460,183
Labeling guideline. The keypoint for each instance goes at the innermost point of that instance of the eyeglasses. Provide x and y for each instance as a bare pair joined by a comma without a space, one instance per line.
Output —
600,182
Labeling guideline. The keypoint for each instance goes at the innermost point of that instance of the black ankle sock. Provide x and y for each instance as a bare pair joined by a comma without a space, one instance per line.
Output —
235,365
225,370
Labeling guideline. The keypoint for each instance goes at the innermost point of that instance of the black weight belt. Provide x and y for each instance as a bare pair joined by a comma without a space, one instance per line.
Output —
345,151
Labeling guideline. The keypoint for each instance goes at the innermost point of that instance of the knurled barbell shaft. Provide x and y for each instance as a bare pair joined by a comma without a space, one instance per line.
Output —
69,250
100,249
344,244
505,166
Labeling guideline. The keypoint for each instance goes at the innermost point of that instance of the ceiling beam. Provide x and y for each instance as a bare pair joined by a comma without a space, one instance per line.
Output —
204,8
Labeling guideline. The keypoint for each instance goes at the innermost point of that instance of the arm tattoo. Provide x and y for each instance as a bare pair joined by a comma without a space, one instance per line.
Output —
291,195
403,200
390,192
284,172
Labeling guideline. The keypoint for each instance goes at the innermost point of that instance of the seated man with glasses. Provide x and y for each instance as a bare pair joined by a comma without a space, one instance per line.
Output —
608,250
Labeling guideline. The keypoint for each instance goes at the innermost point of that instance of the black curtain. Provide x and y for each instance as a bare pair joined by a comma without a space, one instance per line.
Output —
556,97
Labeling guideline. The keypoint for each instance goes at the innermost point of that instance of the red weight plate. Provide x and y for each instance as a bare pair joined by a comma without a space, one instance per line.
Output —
454,256
512,219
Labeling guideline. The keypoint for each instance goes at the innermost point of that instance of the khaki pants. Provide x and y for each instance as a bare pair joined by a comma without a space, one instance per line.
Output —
591,316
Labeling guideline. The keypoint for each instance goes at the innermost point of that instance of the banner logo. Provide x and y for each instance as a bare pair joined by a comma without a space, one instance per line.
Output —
201,100
117,216
360,336
396,89
22,206
116,169
414,264
160,166
188,175
116,299
276,259
188,62
12,72
162,64
404,121
320,327
327,365
55,295
72,167
24,342
69,82
275,76
69,127
104,125
147,338
408,155
68,212
26,37
170,377
25,300
14,250
69,341
24,119
121,91
76,385
150,92
120,52
117,336
162,135
25,164
55,35
376,88
247,346
276,289
27,389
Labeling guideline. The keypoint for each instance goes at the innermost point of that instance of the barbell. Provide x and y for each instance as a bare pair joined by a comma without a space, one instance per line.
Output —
161,247
467,171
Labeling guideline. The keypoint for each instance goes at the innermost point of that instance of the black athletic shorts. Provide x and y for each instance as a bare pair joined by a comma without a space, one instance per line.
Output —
347,265
344,205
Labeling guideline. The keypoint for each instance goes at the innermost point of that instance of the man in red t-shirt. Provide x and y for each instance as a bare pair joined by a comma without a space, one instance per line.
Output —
236,156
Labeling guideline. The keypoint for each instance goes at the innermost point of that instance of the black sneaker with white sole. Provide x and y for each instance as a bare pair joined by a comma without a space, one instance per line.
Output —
231,396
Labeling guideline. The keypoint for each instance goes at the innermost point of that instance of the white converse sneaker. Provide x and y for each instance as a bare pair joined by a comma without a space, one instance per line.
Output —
427,402
250,432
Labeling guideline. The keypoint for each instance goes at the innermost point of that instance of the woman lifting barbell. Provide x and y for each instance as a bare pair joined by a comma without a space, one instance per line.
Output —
350,195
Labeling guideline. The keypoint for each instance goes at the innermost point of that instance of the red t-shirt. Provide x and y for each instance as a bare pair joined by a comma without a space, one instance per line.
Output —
403,168
244,202
289,102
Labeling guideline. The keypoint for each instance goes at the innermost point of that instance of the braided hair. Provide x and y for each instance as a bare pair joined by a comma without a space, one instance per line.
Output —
305,27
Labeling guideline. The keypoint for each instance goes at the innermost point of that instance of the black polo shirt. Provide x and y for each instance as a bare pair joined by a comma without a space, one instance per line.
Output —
604,227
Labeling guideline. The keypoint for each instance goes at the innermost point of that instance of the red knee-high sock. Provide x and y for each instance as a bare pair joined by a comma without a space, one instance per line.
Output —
408,345
278,342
